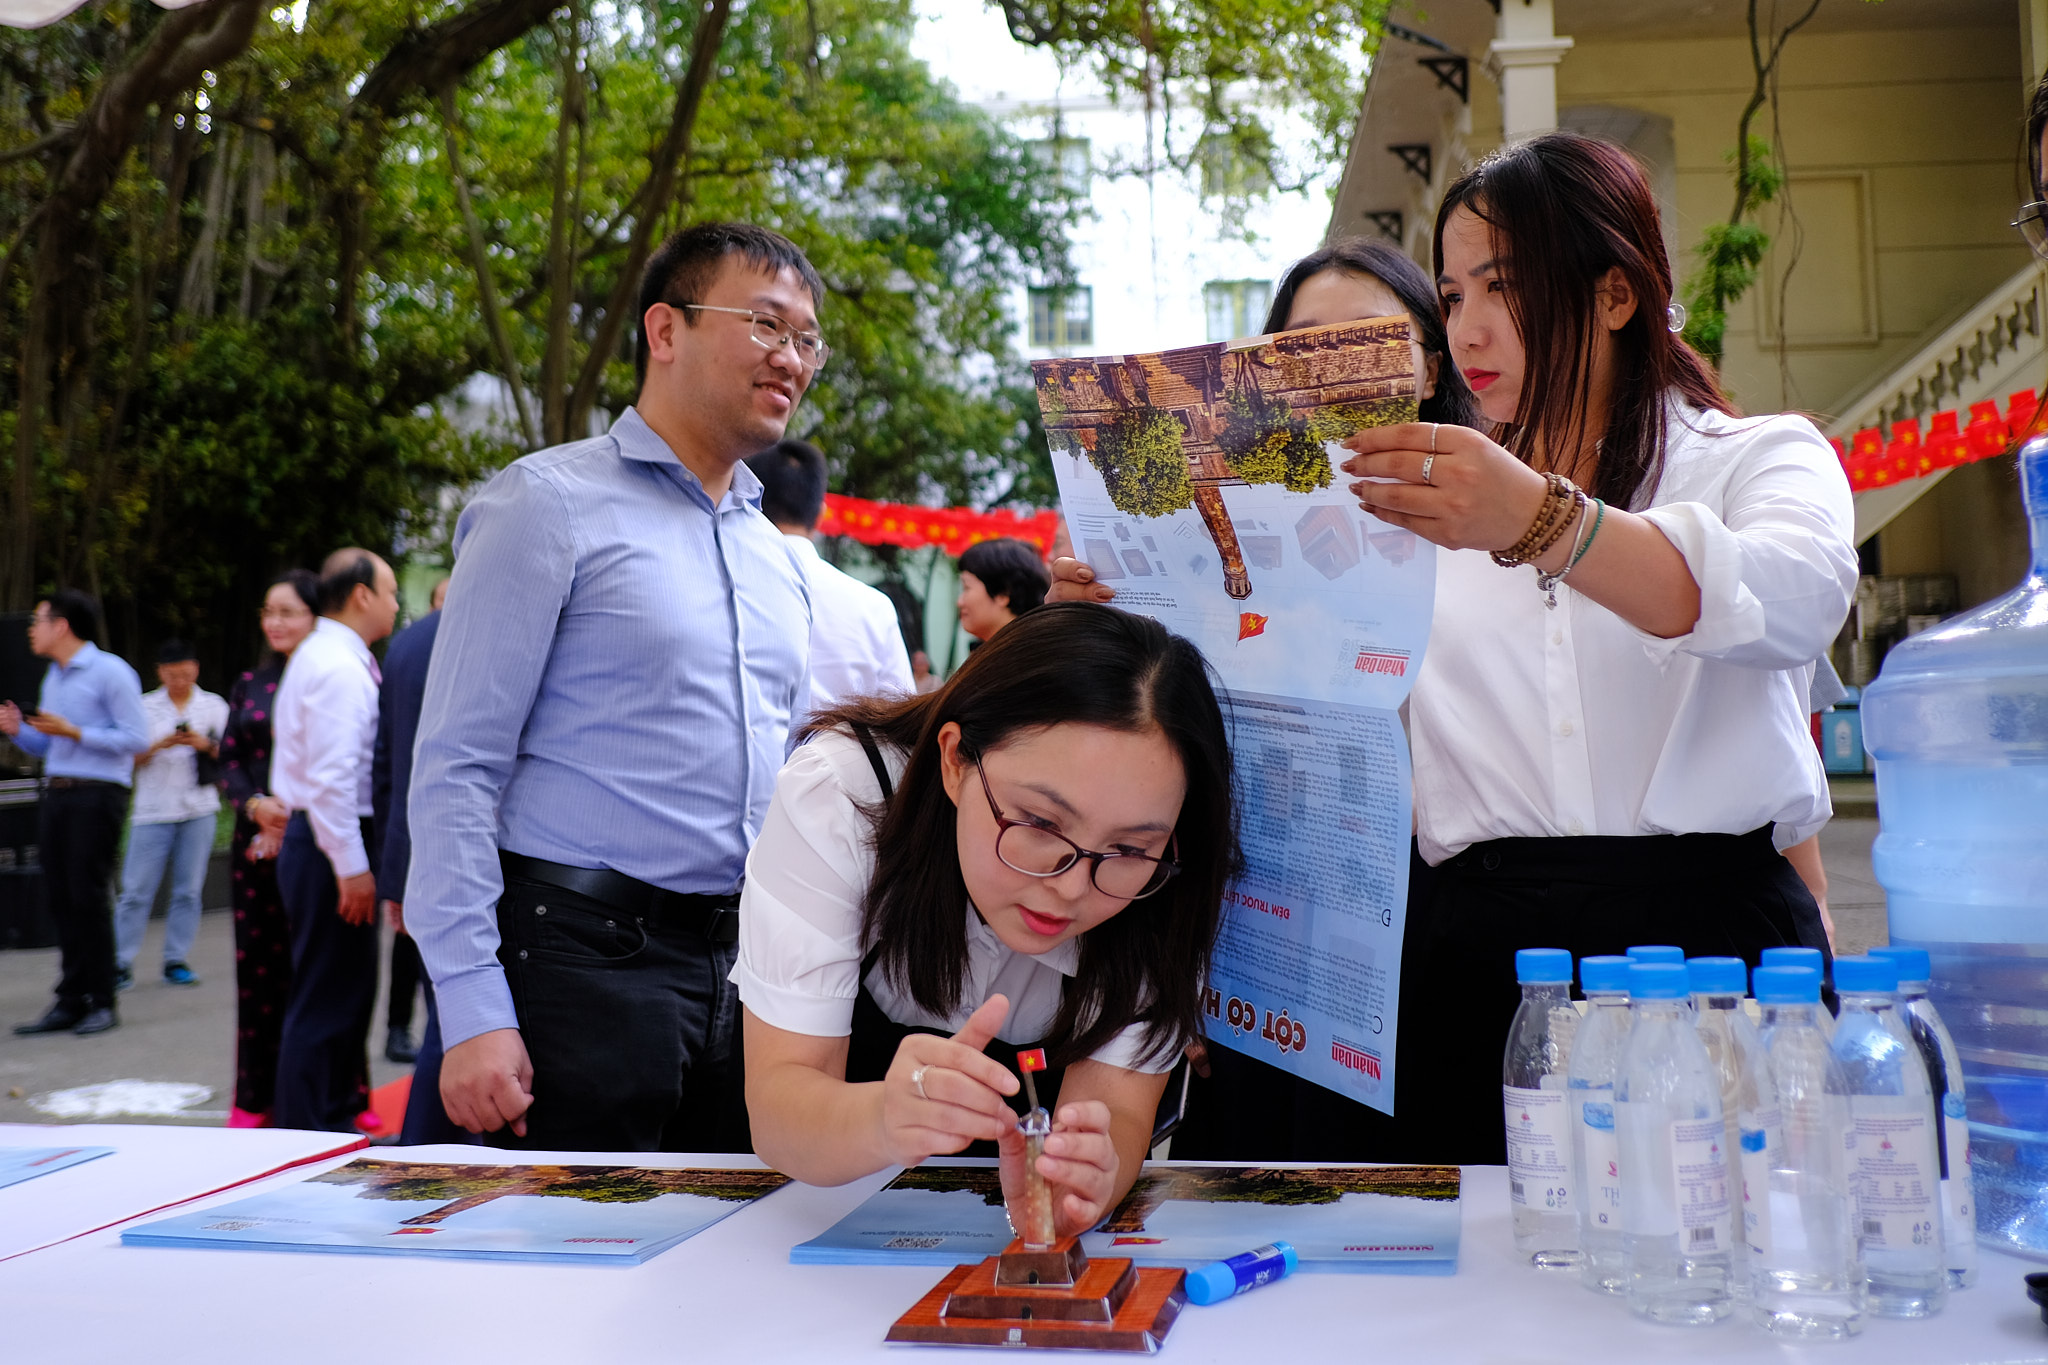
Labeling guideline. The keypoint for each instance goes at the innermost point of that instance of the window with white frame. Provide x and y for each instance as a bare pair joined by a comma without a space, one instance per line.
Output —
1062,318
1236,308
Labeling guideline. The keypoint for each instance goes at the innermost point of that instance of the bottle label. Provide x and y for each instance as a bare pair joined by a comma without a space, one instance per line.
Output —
1696,1208
1897,1171
1699,1168
1958,1211
1603,1156
1759,1133
1539,1148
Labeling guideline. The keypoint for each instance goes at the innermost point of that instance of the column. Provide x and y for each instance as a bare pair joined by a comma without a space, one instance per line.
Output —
1523,59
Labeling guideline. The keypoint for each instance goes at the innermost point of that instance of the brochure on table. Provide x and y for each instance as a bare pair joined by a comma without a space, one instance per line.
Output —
26,1163
148,1168
579,1214
1202,485
1387,1220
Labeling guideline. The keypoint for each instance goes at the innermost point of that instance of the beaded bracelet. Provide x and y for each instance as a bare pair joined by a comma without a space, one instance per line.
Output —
1561,497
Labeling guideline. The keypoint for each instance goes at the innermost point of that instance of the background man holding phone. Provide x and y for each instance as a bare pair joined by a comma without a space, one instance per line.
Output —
177,805
87,729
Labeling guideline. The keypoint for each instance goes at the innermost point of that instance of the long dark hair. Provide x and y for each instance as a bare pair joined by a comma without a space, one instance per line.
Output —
2037,120
1068,663
1565,210
1453,403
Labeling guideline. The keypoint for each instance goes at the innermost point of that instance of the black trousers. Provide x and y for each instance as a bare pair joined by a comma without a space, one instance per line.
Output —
323,1065
406,980
632,1028
79,832
1710,894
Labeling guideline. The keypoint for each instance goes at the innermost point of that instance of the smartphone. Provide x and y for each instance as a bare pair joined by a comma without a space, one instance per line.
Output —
184,727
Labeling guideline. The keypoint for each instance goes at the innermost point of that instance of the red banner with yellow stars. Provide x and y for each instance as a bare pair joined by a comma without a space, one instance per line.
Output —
952,529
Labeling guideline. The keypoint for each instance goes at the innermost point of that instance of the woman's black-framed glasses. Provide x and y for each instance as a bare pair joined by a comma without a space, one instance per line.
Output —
1037,851
2033,227
771,333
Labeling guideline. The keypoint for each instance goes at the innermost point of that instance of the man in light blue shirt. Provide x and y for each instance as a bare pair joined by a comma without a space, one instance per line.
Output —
87,728
617,670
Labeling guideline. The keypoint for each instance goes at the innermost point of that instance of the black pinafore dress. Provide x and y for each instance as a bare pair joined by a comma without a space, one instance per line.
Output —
872,1046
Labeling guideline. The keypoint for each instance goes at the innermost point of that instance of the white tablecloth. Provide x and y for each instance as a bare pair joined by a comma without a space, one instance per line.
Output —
730,1294
151,1167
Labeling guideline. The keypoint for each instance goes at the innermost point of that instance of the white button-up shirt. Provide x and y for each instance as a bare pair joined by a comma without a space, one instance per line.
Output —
800,920
856,644
167,789
1528,721
325,725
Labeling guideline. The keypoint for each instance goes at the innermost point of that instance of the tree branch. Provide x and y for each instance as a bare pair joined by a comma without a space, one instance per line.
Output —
441,54
660,192
486,287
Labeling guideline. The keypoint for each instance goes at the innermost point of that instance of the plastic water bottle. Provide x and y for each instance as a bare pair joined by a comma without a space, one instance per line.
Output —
1676,1211
1657,952
1898,1172
1958,721
1748,1099
1945,1071
1533,1098
1596,1157
1806,1274
1812,960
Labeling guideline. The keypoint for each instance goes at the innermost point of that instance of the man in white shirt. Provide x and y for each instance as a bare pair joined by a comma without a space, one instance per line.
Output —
325,726
857,647
172,821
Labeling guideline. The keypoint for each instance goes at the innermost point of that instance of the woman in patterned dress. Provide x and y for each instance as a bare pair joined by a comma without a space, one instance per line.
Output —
263,945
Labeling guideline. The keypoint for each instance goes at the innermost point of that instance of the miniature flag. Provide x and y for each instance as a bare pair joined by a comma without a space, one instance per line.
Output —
1034,1060
1250,623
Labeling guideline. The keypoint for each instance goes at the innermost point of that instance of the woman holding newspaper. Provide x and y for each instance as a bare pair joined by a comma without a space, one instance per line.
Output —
1610,733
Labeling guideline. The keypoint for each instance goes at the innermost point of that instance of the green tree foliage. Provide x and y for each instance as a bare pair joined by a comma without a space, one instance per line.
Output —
1224,69
1141,458
246,266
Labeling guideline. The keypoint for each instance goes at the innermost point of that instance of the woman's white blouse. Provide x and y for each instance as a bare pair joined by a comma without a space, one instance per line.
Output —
800,953
1531,721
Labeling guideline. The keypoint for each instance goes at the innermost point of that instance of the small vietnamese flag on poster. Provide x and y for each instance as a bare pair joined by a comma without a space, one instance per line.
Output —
1034,1060
1250,623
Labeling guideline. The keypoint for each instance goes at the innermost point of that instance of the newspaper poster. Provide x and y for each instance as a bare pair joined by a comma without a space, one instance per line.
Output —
1202,484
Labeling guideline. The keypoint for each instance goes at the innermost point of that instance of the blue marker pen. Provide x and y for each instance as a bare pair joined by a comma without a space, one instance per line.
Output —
1220,1280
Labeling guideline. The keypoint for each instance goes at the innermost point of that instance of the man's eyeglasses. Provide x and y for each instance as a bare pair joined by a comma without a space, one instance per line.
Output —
2033,227
771,333
1037,851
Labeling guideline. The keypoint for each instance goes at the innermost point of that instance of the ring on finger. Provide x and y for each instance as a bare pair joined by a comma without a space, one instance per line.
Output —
1428,461
917,1081
1434,428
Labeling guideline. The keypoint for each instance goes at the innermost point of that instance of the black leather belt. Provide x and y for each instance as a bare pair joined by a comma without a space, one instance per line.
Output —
58,784
717,918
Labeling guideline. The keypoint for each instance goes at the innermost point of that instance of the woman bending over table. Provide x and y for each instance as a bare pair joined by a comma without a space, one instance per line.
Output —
1032,856
1610,733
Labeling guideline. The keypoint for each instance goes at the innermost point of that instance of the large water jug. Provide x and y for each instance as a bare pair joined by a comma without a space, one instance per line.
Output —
1958,722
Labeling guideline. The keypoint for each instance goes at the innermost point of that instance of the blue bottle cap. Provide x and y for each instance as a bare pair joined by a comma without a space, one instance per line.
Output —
1866,974
1786,986
1543,967
1791,957
1657,952
1604,973
1658,981
1718,975
1914,963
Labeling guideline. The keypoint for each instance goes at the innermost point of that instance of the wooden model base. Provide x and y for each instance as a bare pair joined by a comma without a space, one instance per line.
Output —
1053,1298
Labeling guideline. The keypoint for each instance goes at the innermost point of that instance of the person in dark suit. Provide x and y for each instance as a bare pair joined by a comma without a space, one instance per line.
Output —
398,723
